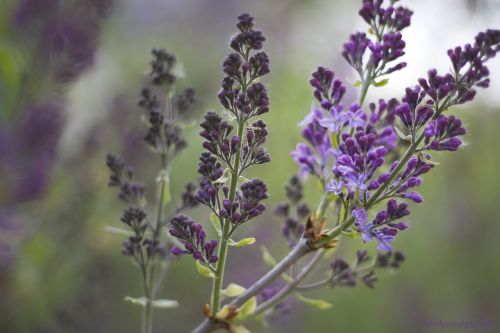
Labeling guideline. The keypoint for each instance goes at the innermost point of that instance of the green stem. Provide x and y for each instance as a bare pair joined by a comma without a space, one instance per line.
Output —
150,279
221,263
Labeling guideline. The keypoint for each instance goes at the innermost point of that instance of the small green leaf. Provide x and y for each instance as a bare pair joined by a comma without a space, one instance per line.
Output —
371,31
204,270
137,301
238,329
380,83
214,219
247,309
317,303
223,313
117,231
358,83
165,303
224,178
332,197
268,257
427,158
233,290
334,140
163,180
243,242
350,233
400,132
243,179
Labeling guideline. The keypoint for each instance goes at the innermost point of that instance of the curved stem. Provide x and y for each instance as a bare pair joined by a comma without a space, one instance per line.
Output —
292,285
300,250
314,285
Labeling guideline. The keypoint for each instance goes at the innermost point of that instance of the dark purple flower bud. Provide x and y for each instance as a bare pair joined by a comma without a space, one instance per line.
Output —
413,196
354,50
369,279
176,251
362,256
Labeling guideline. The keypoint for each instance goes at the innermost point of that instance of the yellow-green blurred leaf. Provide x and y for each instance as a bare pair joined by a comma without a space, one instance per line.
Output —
247,309
233,290
317,303
165,303
204,270
380,83
214,219
243,242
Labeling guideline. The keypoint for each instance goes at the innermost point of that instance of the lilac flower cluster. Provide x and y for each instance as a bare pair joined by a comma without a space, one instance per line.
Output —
185,229
164,136
346,275
229,153
165,133
386,24
293,211
351,150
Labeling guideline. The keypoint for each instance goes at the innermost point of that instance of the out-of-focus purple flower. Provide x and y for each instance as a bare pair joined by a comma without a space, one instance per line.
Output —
294,211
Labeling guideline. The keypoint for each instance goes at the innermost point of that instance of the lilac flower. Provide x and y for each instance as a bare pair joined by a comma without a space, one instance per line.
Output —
442,133
364,227
328,92
294,211
354,50
247,204
193,237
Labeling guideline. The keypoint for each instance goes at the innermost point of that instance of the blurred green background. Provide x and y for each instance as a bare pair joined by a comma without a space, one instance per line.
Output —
70,76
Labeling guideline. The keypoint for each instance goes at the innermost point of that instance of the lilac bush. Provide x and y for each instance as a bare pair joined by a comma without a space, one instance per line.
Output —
368,157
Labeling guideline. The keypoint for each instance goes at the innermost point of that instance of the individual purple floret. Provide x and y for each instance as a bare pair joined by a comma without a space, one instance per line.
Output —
192,235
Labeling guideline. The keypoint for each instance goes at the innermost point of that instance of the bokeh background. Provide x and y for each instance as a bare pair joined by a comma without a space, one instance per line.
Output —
70,76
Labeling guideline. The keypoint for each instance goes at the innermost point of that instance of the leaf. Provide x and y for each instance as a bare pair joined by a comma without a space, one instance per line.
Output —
380,83
334,140
165,303
158,303
233,290
223,313
224,178
401,134
268,257
243,242
164,182
358,83
238,329
204,270
317,303
214,219
350,233
137,301
117,231
247,309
